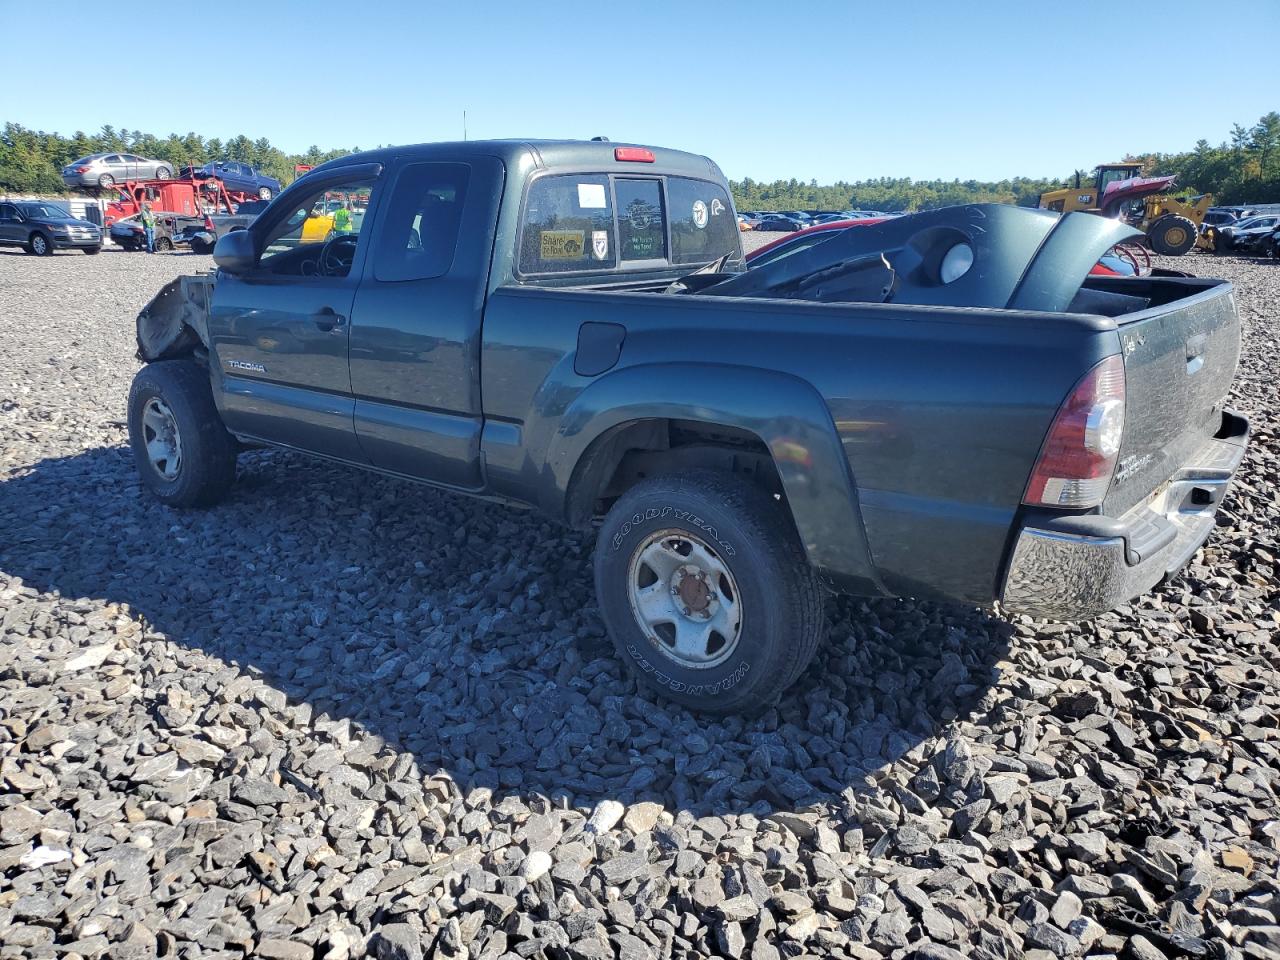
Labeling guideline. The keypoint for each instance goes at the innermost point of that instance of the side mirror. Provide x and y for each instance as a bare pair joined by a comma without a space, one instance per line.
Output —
234,252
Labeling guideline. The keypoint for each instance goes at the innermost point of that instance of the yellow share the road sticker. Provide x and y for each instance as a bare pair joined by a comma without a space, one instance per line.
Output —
562,244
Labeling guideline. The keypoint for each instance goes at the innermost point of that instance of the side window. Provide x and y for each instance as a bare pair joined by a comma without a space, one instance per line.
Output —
702,224
8,211
568,225
114,158
330,212
423,217
642,232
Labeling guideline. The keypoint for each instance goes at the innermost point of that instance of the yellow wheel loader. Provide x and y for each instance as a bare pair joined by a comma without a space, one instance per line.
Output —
1119,190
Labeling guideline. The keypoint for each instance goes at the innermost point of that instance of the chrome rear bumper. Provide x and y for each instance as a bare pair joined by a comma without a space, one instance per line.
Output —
1074,568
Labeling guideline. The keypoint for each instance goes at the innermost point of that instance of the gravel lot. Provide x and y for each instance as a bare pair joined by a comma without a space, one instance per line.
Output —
340,715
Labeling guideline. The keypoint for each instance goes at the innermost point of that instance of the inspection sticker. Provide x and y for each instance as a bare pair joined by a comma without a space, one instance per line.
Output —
600,244
561,244
591,196
699,214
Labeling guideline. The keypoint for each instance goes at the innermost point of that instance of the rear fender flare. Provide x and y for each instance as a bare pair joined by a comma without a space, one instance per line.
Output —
785,413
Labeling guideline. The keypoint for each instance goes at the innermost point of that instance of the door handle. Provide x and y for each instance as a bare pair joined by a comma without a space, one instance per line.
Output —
327,320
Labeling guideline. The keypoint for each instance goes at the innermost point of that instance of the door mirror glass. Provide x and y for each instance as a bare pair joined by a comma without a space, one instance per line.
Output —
235,253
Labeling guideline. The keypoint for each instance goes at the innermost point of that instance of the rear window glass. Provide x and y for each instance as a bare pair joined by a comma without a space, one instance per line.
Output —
702,222
642,230
568,225
418,235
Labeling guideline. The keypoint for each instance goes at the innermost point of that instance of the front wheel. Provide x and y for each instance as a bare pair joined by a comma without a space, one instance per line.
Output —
1172,235
183,453
92,250
706,591
39,245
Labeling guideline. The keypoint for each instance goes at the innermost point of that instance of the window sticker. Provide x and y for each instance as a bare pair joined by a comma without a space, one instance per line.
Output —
561,244
699,214
591,196
717,207
600,244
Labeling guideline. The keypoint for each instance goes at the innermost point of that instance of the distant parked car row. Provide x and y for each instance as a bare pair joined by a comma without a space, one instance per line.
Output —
790,221
1249,234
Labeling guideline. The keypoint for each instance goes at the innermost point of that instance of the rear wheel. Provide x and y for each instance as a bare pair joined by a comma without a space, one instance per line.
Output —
184,455
106,181
264,193
1172,235
162,244
39,245
706,591
163,173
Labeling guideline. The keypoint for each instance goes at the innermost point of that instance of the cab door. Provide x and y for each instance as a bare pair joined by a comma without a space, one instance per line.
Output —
280,332
415,336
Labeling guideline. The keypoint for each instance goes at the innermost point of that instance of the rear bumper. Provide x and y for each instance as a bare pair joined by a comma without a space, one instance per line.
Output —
1074,568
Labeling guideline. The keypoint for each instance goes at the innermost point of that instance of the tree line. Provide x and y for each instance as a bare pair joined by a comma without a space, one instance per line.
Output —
1243,169
32,161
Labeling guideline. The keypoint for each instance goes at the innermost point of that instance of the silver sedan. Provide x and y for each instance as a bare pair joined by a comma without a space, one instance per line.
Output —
107,169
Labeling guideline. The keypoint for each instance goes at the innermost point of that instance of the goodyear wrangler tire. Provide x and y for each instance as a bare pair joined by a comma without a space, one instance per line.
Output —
706,591
184,455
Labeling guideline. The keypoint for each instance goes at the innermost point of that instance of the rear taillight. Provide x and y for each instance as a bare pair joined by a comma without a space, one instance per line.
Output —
1079,454
82,169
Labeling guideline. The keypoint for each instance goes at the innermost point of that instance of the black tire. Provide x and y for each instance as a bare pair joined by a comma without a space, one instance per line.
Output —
106,181
750,533
206,467
162,244
199,246
40,245
163,173
92,250
1172,235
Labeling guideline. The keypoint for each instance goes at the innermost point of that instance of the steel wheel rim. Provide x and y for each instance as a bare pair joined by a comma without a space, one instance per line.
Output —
1176,236
685,599
161,439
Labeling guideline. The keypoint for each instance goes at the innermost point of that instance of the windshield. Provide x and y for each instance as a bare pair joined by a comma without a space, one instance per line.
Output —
45,210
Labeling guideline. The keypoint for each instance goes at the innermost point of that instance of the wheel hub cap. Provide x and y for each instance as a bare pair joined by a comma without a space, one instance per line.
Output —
685,599
160,435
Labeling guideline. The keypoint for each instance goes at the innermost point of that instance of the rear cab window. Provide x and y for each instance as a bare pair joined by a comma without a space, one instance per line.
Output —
602,223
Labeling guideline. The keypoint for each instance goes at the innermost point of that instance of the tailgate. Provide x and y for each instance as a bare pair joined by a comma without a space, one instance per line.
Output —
1179,359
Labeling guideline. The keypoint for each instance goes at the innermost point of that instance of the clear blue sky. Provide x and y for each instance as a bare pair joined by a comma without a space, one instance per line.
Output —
824,90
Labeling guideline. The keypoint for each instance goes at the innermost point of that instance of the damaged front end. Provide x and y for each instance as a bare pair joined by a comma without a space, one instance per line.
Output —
175,321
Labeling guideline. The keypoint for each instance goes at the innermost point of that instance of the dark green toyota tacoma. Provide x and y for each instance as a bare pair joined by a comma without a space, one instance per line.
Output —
941,405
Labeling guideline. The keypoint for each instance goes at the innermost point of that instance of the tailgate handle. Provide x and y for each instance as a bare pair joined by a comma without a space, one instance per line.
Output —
1195,353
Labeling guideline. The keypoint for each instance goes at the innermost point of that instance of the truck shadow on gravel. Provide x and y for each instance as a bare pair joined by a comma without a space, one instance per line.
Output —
466,635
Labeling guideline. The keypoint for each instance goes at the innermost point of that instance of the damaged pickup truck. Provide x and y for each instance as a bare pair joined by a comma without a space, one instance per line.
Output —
942,405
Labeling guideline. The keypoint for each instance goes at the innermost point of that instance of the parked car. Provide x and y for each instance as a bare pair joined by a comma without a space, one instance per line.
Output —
778,222
1010,429
240,177
1271,246
105,170
1242,234
1217,218
41,228
129,234
802,240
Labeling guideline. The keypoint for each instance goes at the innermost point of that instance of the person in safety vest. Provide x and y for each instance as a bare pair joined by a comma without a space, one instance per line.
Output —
148,226
342,218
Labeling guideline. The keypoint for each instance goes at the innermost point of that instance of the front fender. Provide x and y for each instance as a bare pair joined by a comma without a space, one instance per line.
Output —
788,416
